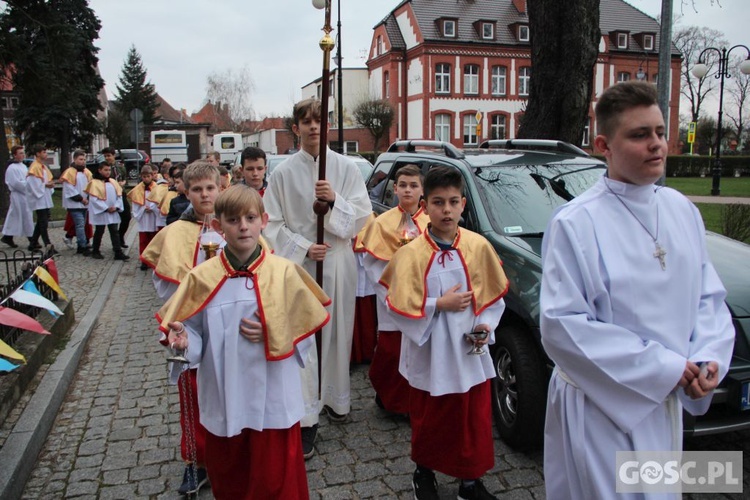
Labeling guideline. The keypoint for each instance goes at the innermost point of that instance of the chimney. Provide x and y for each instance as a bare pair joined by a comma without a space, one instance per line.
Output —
520,6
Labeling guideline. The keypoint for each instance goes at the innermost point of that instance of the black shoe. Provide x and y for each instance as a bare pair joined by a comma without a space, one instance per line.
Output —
51,250
96,255
144,267
425,485
334,417
83,251
193,478
476,491
34,246
121,256
8,240
123,244
308,440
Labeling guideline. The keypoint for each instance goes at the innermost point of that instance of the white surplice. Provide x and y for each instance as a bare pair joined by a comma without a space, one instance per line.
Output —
291,230
620,330
71,190
434,352
19,221
148,222
39,195
237,388
98,214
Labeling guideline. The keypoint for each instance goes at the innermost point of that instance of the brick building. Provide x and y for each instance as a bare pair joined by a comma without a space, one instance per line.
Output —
443,64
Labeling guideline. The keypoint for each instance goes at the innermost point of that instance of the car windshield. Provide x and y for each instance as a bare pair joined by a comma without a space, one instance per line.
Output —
519,199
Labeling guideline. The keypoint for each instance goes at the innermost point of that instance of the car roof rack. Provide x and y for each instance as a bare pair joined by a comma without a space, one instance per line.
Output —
561,146
410,146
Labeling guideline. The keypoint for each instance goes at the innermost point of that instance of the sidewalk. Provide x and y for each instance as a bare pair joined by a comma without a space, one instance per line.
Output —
720,200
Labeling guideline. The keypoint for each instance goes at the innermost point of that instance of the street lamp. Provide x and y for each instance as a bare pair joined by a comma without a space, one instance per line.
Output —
700,70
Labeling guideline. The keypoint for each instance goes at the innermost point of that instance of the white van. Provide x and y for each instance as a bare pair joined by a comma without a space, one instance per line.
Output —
227,144
170,144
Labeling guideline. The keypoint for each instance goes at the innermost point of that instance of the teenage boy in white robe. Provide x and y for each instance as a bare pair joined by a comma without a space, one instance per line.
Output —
631,307
291,231
39,188
19,221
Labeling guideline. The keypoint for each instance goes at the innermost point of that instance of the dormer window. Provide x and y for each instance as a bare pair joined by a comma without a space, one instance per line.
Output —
449,28
523,33
648,42
622,40
488,31
379,46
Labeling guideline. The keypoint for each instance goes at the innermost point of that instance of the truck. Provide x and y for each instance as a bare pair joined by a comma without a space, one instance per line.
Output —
227,144
170,144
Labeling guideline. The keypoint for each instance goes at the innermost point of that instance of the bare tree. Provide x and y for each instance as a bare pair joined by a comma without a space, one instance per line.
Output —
739,92
234,90
376,115
691,41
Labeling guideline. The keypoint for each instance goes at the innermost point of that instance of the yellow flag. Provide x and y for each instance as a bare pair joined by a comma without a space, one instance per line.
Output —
8,352
43,275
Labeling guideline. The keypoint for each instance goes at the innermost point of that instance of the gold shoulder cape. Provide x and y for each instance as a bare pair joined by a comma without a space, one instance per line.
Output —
173,251
157,193
405,277
97,189
37,169
70,173
279,285
138,194
166,200
380,238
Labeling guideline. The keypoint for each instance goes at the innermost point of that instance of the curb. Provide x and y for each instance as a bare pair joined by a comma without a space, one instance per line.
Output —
21,449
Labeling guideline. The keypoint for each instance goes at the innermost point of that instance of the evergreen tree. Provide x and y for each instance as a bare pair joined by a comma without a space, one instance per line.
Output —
134,91
50,47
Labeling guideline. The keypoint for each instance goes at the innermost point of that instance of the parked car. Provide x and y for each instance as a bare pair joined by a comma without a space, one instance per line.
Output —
132,159
512,187
365,167
271,161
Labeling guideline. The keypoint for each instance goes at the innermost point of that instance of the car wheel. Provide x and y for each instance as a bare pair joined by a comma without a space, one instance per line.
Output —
519,389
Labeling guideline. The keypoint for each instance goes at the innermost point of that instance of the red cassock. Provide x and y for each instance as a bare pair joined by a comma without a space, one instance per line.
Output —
189,413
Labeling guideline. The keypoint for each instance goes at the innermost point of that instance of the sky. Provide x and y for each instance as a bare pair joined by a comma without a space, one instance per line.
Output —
182,42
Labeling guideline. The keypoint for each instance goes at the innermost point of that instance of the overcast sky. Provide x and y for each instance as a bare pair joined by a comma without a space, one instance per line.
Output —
182,42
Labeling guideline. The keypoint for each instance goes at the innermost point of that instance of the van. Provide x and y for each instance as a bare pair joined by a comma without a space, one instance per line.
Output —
170,144
227,144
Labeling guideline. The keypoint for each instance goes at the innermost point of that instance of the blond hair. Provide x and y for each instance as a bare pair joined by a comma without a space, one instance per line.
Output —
238,200
199,170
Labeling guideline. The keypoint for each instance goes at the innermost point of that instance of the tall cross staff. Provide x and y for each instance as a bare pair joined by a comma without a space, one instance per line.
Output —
320,207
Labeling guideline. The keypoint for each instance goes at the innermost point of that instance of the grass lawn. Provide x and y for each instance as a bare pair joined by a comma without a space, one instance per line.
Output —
701,186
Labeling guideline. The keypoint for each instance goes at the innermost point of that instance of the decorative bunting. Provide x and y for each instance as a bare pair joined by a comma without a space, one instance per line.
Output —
52,269
15,319
50,281
7,366
30,295
9,352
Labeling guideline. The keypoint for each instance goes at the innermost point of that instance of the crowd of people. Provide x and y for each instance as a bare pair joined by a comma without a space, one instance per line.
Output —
233,253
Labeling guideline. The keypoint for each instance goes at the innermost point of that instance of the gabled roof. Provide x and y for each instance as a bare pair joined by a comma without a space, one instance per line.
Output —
165,112
614,15
215,114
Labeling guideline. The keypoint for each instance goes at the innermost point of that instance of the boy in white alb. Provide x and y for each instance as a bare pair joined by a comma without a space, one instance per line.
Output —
444,284
18,221
105,205
74,180
40,186
630,308
237,309
144,210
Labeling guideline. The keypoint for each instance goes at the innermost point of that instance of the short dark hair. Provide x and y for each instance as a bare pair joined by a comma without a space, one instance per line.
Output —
620,98
410,170
108,151
175,171
79,152
15,149
252,153
441,176
167,159
37,148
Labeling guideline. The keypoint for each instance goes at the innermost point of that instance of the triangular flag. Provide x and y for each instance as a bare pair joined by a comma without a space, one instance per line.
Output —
50,281
32,297
8,352
7,366
15,319
52,269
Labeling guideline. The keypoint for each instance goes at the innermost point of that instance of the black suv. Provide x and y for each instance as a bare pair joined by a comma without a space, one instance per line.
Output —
512,187
132,159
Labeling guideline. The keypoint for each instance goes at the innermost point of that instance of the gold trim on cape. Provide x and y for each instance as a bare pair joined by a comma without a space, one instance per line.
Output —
380,239
173,252
37,169
70,174
97,189
138,194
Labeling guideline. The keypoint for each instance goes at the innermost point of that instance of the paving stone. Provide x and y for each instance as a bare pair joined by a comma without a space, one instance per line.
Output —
81,488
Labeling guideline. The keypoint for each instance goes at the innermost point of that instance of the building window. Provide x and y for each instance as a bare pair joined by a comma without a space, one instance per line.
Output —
471,79
13,102
5,103
470,129
387,84
524,76
648,42
498,80
351,146
655,78
497,127
523,33
623,76
449,28
585,141
488,31
379,49
443,128
331,87
443,79
622,40
318,91
330,118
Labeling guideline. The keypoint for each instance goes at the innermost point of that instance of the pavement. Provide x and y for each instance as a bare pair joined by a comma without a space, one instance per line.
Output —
720,200
101,421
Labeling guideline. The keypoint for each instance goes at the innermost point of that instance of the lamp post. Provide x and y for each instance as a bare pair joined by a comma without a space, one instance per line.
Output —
340,98
700,70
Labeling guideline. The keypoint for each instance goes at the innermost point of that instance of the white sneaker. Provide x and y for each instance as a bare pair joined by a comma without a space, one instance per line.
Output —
69,243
